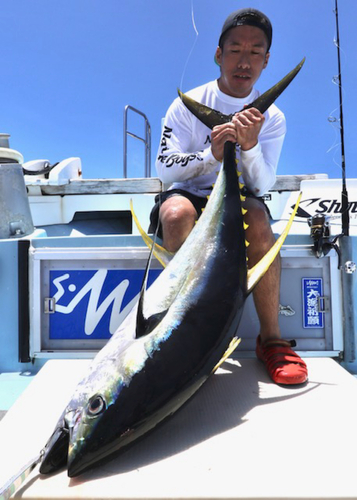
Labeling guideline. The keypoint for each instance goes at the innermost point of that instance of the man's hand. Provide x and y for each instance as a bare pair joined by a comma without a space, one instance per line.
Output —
243,130
248,124
220,135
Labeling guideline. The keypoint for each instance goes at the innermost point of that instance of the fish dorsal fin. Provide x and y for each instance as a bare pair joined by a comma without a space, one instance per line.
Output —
258,271
162,255
146,325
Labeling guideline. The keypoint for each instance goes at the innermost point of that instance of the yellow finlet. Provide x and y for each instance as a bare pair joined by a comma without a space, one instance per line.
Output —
162,255
242,198
245,225
241,186
247,243
244,211
257,272
232,346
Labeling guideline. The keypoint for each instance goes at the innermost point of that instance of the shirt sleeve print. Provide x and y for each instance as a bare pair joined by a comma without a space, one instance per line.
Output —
175,162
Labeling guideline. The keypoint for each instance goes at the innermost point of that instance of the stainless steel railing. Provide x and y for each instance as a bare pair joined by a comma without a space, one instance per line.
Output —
146,140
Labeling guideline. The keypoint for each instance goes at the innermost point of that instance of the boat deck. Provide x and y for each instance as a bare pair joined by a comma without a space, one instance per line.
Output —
240,437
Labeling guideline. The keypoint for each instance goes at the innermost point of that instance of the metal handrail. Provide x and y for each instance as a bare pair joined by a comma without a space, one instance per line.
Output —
146,140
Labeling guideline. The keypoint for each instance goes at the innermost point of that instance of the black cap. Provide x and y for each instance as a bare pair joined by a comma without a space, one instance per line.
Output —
250,17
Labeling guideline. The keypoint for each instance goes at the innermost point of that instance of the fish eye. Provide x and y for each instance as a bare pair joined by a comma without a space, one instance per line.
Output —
96,405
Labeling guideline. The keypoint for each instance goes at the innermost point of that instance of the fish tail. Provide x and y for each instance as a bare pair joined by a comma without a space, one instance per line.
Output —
210,117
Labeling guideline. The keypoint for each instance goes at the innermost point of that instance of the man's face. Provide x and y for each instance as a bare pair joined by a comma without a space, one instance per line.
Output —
242,59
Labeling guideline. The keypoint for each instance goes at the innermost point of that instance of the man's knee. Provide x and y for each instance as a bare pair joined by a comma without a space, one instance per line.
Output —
177,216
258,221
177,210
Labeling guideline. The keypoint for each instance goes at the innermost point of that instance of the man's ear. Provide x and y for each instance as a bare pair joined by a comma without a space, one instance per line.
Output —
267,55
218,56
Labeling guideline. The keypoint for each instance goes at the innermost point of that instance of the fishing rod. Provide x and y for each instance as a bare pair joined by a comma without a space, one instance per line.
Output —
344,194
349,267
319,224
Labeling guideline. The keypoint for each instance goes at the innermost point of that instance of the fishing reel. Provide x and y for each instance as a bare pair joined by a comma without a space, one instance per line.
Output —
320,232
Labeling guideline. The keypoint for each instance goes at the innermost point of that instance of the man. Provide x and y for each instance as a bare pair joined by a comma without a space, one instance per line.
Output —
189,158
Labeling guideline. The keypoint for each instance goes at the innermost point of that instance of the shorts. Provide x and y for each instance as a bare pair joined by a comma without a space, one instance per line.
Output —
198,202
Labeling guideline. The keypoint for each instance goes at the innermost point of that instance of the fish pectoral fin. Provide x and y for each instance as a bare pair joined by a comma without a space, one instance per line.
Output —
257,272
162,255
146,325
232,346
142,323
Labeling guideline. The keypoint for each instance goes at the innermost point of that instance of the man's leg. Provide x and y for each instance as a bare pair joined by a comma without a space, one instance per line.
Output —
177,217
283,364
267,293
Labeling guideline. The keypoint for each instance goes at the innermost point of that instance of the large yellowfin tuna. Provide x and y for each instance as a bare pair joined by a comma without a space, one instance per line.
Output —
182,328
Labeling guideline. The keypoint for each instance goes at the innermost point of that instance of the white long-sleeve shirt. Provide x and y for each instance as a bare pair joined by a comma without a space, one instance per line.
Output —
185,159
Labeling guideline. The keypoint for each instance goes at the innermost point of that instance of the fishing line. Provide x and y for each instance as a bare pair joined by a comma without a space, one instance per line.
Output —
193,45
14,483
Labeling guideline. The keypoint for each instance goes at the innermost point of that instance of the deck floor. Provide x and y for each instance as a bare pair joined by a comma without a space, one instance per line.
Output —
240,437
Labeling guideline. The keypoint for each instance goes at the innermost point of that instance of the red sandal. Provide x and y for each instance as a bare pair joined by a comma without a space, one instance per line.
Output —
283,364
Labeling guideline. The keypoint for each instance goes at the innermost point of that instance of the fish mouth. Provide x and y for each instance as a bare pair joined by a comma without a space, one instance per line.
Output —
56,451
75,466
82,459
